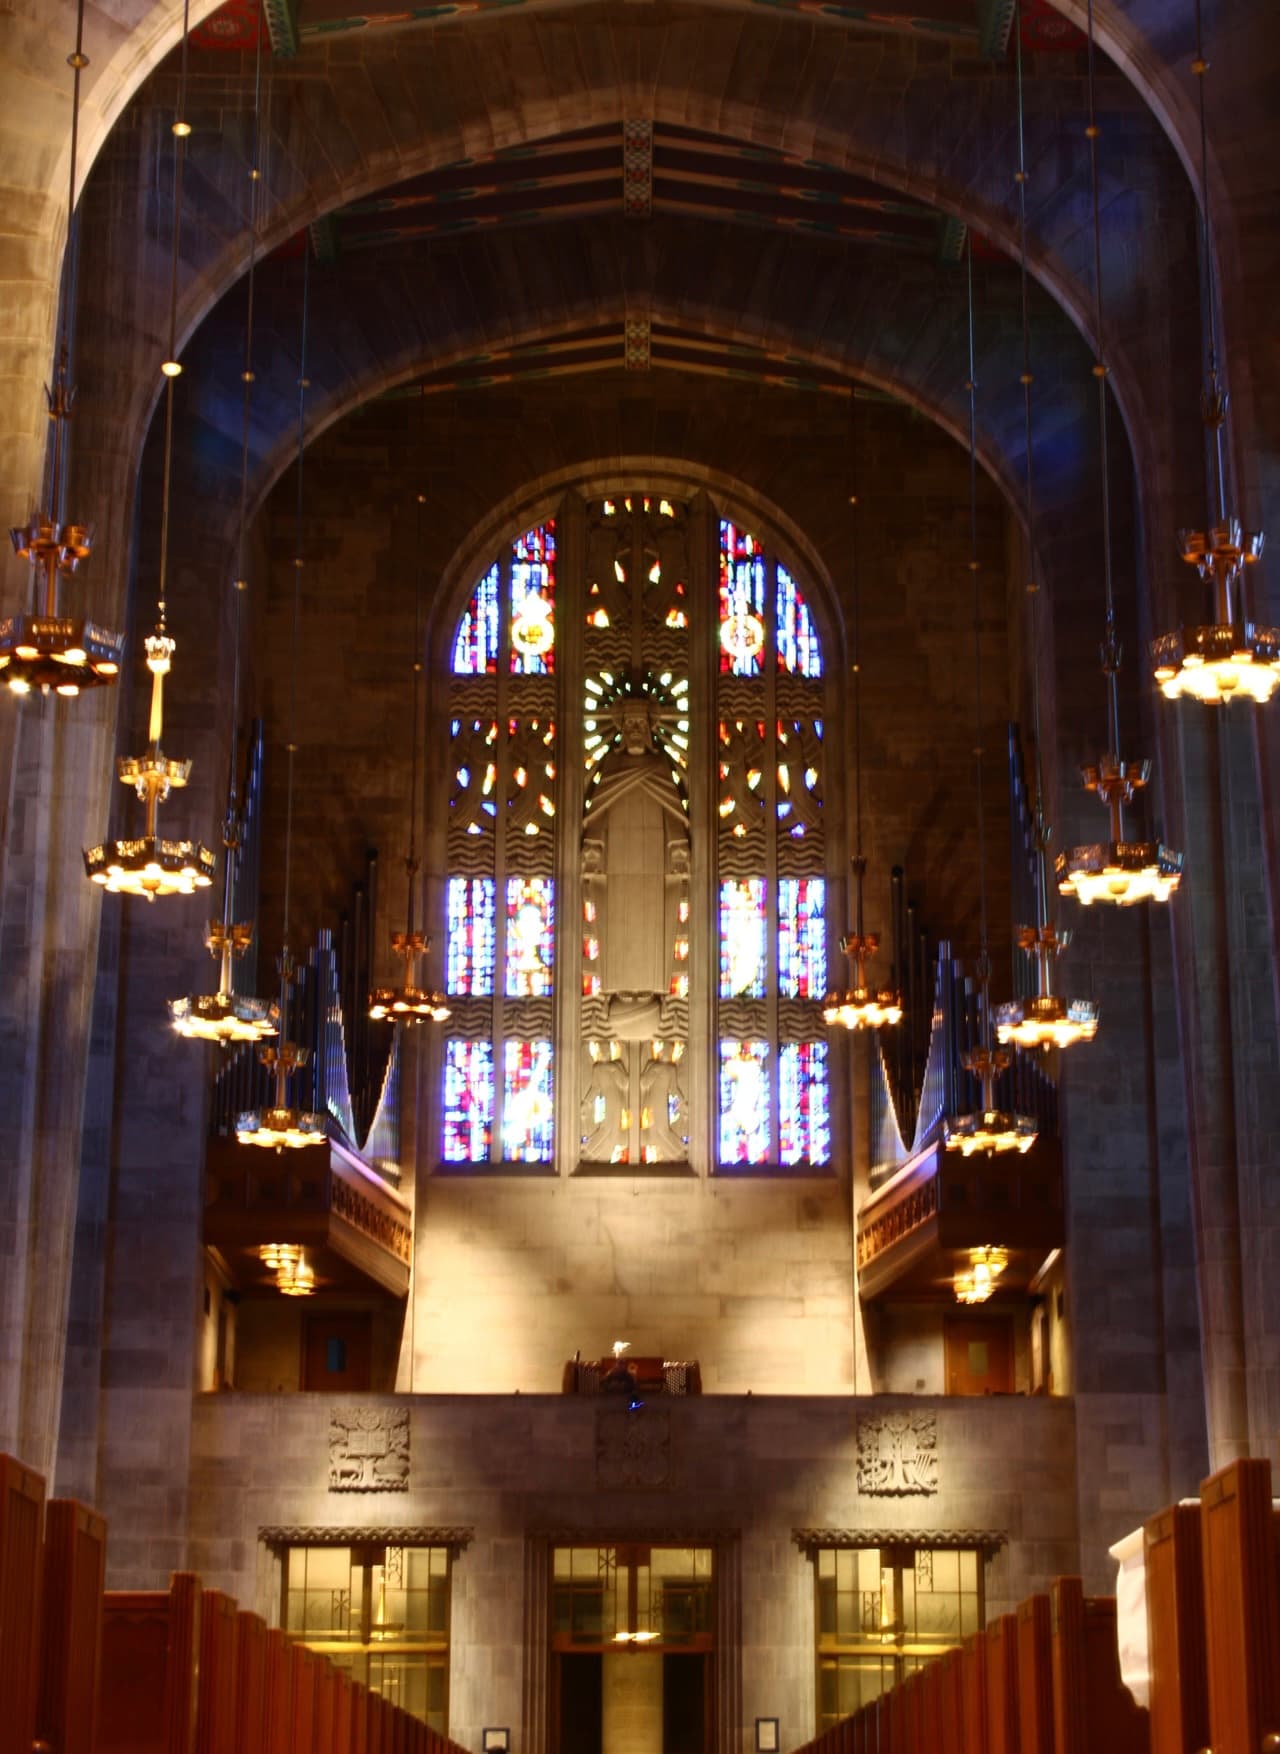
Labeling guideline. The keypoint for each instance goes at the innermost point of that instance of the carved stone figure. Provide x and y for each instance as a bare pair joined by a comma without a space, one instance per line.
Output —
897,1453
369,1449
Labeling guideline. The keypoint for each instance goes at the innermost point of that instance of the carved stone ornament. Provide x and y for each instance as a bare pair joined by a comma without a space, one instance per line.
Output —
897,1453
633,1448
369,1449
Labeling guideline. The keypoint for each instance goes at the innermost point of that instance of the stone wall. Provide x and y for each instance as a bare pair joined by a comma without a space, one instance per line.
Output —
743,1472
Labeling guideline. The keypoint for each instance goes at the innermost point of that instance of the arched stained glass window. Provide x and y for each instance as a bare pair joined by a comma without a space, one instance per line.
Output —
636,948
500,904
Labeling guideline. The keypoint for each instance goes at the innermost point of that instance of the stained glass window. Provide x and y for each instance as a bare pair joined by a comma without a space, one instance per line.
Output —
745,1133
470,954
533,596
804,1118
528,1135
530,937
475,648
797,638
744,921
802,937
742,598
468,1101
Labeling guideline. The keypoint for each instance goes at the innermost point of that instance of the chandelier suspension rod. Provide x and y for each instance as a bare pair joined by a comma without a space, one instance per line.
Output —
171,368
291,746
972,387
1111,644
1215,401
859,862
60,397
411,864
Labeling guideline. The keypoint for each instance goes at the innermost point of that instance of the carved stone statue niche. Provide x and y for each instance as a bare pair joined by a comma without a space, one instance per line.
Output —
635,865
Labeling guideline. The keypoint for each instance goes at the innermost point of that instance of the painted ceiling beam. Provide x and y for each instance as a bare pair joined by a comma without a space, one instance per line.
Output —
324,18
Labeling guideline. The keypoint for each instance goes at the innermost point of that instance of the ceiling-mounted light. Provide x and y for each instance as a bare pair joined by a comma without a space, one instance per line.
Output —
977,1282
989,1128
295,1276
1227,659
410,1003
284,1127
1041,1020
226,1016
44,649
864,1005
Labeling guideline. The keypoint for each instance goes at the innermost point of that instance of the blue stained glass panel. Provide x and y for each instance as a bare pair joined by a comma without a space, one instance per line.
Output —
533,597
742,592
528,1132
745,1133
798,647
469,956
475,645
802,937
468,1101
744,924
530,936
804,1109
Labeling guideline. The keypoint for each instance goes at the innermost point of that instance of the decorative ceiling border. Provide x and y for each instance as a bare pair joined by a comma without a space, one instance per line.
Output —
988,1541
455,1538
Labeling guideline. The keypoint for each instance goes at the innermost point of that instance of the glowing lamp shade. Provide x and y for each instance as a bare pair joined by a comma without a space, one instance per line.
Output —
990,1130
150,867
407,1005
1218,664
976,1282
1119,873
280,1129
1046,1022
860,1008
224,1018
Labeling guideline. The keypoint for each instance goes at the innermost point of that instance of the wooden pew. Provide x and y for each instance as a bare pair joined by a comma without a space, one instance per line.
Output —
216,1725
1242,1607
359,1718
1004,1729
1092,1708
302,1690
322,1721
973,1689
931,1707
950,1703
1035,1676
75,1548
150,1656
341,1713
251,1684
277,1689
21,1558
1179,1702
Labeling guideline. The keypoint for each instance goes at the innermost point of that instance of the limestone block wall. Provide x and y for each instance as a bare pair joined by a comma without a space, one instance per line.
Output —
754,1279
522,1470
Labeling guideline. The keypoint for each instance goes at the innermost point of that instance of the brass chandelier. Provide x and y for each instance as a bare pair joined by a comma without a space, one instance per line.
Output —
43,648
410,1003
283,1126
226,1016
976,1282
1229,658
149,865
1042,1020
987,1128
861,1006
1117,871
295,1276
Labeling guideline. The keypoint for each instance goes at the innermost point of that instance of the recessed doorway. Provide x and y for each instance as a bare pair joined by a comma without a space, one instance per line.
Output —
632,1650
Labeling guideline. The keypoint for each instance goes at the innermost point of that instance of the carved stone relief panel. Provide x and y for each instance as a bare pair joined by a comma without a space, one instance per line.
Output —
369,1449
897,1453
633,1448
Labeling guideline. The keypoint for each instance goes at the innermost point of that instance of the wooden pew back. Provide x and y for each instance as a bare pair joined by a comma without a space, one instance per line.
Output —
1242,1607
21,1553
150,1645
1179,1705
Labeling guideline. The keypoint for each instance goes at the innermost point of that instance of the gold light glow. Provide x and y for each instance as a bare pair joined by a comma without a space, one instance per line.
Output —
1044,1020
295,1276
861,1006
224,1018
1117,871
990,1129
279,1129
742,636
977,1282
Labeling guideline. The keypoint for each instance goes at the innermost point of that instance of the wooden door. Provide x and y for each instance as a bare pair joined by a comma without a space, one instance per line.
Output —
337,1350
979,1355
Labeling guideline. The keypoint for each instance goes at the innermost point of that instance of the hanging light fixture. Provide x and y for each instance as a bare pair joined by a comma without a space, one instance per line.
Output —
1229,659
1042,1020
1116,870
44,648
283,1126
977,1282
859,1006
409,1003
988,1129
149,865
227,1016
295,1276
